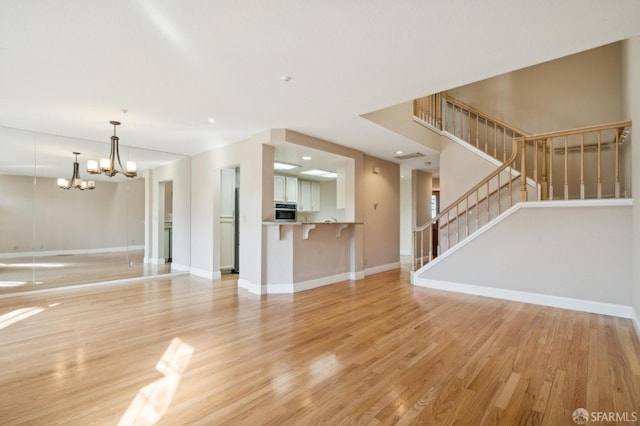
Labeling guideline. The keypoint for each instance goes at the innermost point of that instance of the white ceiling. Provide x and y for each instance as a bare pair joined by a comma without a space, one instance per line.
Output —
67,67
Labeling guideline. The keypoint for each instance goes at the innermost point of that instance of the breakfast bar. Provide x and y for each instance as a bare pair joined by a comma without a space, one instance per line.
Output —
305,255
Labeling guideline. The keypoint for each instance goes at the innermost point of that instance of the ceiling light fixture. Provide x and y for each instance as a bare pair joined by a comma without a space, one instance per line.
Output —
398,152
283,166
306,158
108,165
320,173
75,181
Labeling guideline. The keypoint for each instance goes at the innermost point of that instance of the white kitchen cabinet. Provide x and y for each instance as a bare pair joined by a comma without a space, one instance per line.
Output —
291,189
315,196
309,196
285,188
278,188
304,196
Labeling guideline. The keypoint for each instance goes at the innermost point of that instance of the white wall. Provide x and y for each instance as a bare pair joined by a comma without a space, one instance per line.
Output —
551,249
631,71
256,204
179,173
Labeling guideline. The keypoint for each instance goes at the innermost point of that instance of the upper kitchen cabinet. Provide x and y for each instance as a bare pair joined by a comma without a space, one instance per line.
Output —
309,196
285,188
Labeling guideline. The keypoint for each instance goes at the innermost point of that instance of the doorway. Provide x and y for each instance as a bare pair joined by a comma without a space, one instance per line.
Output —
229,220
166,221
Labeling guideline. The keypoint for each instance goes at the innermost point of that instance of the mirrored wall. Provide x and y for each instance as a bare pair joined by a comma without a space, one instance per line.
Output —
51,236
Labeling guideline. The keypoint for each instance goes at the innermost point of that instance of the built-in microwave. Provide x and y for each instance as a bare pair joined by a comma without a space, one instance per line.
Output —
285,212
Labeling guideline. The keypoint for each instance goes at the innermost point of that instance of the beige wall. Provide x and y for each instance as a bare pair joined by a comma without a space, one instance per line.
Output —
422,188
406,215
46,218
381,212
575,91
555,251
632,111
399,119
460,169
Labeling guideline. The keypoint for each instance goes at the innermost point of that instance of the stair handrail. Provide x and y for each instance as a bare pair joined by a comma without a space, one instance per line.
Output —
539,148
474,190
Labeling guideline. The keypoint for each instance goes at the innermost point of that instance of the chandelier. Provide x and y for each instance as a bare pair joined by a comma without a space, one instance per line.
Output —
75,181
108,165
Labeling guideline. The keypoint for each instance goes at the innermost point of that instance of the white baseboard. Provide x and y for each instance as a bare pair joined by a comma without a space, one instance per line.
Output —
43,253
604,308
180,267
249,286
156,260
212,275
307,285
359,275
381,268
636,322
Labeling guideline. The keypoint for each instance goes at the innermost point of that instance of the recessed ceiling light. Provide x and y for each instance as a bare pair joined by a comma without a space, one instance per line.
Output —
283,166
320,173
398,152
286,78
211,120
306,158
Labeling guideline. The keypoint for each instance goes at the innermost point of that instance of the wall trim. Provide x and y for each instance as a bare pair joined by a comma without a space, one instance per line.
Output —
405,252
358,275
381,268
636,323
212,275
620,202
591,306
307,285
180,267
69,252
96,284
249,286
156,260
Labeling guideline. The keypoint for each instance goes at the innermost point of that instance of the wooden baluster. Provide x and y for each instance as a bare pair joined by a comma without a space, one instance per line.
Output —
545,183
566,169
582,166
495,140
422,248
477,131
551,170
523,171
477,209
467,221
599,165
457,223
510,190
430,231
454,120
488,207
486,136
504,145
448,231
617,188
413,251
499,190
535,167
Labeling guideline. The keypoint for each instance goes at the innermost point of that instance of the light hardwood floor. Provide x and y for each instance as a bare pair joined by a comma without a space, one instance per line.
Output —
45,272
375,351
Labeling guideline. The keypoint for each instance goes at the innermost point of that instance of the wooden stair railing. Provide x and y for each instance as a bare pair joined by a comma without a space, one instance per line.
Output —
537,156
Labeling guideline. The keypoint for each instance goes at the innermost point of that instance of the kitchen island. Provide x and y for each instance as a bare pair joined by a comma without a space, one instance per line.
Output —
305,255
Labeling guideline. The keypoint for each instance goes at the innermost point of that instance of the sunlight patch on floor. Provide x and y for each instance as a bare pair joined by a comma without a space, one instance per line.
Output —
153,400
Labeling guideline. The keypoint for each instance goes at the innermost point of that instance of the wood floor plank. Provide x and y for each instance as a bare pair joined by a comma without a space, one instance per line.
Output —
374,351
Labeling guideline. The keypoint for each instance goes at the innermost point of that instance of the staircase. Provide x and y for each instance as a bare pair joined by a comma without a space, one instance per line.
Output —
577,164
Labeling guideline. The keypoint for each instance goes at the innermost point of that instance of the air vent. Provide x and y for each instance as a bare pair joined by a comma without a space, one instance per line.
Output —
408,156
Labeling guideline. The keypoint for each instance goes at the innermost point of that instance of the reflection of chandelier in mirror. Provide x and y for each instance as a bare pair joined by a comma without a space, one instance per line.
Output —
75,181
108,165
